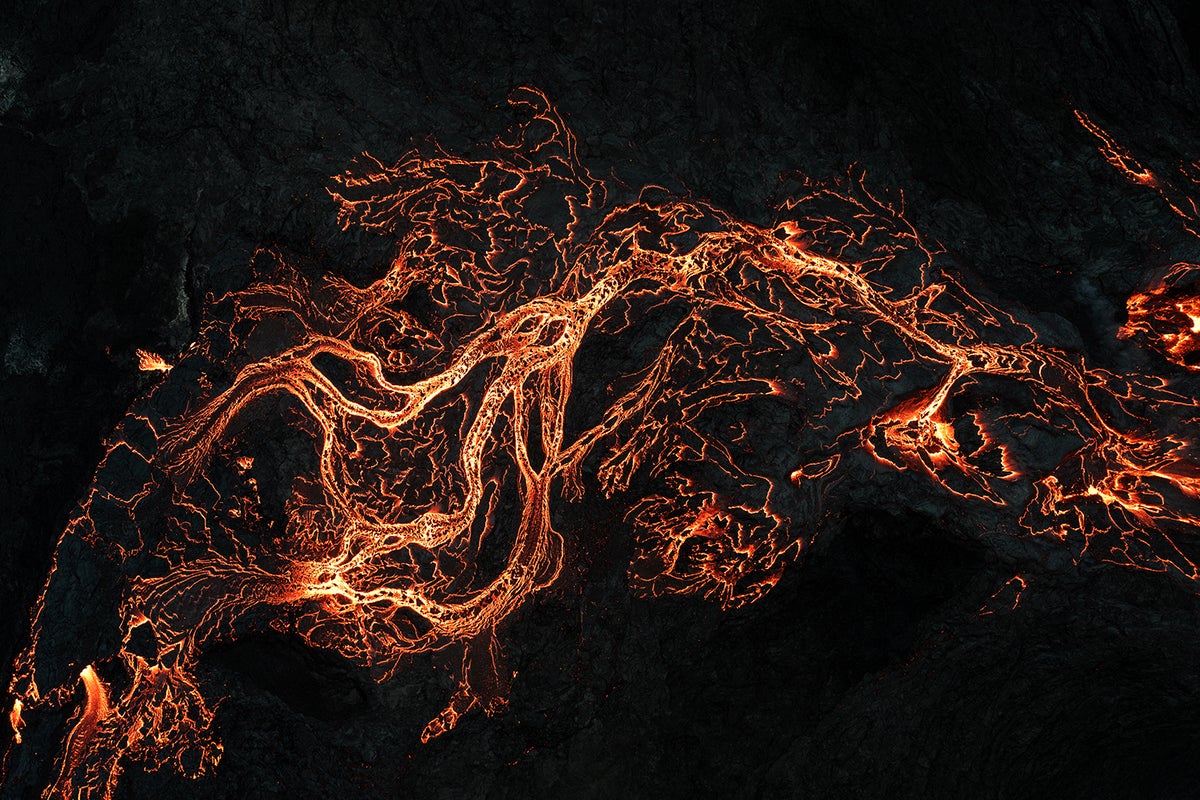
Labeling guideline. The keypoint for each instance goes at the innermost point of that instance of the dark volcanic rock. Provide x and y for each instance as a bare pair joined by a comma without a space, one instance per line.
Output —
148,148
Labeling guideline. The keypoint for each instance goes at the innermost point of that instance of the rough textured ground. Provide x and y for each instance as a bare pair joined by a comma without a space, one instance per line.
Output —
146,149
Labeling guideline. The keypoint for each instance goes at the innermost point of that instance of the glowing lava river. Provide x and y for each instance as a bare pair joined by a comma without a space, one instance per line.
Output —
426,425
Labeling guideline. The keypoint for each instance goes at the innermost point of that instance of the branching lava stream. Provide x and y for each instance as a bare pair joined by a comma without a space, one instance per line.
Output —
455,374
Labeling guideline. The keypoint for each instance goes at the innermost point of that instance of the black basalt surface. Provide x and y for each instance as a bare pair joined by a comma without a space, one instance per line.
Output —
148,148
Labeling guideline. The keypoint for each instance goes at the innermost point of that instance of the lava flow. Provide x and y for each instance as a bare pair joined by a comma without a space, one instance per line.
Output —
1166,315
378,469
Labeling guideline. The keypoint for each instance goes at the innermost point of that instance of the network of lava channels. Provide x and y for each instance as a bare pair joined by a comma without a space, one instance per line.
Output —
425,395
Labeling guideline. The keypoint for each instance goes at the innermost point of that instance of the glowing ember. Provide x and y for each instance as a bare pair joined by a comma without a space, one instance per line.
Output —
424,395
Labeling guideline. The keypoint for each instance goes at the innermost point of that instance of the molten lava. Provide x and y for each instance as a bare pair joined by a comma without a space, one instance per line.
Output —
152,362
833,337
1166,315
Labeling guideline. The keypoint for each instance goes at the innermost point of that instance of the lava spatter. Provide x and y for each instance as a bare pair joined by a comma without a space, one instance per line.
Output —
830,346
